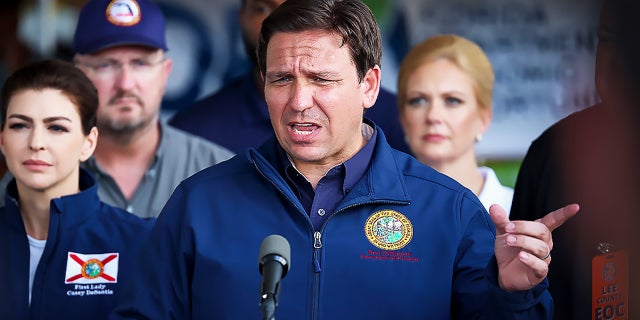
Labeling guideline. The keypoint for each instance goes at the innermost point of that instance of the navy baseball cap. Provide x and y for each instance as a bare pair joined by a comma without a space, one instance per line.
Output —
104,24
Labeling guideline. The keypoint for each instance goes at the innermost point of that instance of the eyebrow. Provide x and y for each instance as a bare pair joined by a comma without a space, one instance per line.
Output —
46,120
325,74
446,92
277,74
321,74
455,92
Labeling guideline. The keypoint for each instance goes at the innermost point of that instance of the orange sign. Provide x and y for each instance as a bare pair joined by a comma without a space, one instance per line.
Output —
609,286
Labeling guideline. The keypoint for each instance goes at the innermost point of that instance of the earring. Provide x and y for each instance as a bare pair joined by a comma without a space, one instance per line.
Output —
479,137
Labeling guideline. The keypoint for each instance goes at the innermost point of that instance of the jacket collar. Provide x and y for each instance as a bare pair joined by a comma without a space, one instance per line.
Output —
382,182
76,208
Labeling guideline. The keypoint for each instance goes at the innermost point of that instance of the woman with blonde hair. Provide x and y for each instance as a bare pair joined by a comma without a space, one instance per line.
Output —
445,86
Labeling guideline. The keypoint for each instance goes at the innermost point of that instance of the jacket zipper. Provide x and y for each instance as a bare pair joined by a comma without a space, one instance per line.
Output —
317,251
317,246
317,241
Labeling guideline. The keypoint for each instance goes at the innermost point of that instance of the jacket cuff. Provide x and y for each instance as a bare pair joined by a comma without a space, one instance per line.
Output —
537,297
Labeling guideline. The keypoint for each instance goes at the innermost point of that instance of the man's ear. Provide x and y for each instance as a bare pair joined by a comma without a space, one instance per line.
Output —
371,86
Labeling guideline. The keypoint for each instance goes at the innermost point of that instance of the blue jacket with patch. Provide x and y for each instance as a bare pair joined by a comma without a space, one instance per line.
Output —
405,243
86,263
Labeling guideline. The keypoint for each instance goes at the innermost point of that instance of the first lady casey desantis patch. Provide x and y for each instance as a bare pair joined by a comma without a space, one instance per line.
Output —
91,274
91,268
388,230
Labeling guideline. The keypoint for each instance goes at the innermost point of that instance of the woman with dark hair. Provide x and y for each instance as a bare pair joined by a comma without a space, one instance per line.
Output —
64,253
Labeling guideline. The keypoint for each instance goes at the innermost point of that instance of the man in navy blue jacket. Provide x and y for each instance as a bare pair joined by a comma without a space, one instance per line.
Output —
236,116
374,234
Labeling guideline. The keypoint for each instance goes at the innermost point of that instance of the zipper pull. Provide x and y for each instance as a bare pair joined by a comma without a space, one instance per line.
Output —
317,245
317,240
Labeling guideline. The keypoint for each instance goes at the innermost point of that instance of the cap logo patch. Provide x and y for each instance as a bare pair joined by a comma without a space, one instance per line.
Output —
124,13
388,230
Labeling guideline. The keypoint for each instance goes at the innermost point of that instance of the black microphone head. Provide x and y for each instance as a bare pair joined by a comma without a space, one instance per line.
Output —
275,247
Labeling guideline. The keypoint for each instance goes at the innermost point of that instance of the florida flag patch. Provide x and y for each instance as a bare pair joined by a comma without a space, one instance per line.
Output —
92,268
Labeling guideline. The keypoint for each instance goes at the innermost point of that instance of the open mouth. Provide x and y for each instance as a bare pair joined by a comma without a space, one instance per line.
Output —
303,128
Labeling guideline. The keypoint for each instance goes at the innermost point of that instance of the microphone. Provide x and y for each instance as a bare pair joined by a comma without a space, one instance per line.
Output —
273,264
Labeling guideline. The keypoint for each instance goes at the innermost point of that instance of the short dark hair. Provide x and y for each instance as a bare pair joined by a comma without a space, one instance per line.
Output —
350,19
54,74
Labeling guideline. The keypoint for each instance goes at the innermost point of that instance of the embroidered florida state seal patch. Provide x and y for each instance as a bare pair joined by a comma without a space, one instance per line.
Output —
388,230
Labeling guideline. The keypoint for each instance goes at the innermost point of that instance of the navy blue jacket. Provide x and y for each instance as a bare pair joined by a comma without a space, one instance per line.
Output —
81,228
236,117
406,243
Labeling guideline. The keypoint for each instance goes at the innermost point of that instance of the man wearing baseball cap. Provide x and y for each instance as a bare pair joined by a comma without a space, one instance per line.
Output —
120,45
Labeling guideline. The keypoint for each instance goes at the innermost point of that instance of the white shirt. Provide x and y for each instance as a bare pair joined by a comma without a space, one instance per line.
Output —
36,247
493,191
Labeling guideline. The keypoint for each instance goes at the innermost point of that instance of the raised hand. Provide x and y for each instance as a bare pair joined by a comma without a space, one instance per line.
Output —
523,248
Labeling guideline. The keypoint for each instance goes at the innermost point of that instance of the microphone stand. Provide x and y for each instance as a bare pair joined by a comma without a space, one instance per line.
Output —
269,297
268,303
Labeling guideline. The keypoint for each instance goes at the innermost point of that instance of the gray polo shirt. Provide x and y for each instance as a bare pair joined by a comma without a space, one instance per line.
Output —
179,155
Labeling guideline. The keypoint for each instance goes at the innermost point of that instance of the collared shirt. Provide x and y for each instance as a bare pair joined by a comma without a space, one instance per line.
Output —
179,155
334,186
493,191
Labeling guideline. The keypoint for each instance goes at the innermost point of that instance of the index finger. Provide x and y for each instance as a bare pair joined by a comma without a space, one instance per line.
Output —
556,218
